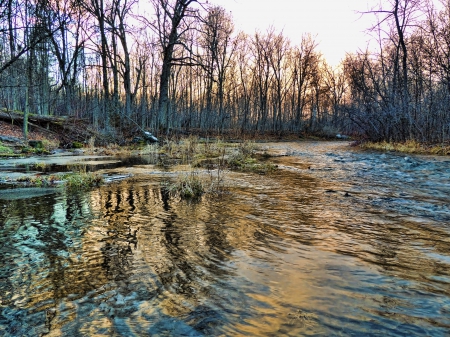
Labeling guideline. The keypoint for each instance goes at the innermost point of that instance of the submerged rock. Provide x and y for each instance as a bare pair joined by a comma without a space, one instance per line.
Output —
25,193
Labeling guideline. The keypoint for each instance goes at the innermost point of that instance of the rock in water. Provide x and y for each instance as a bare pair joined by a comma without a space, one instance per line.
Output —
339,136
149,137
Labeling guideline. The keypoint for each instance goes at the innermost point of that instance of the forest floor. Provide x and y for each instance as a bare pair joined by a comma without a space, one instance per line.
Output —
15,131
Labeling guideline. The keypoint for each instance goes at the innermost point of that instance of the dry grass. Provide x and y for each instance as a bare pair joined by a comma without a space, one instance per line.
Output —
187,186
410,146
441,150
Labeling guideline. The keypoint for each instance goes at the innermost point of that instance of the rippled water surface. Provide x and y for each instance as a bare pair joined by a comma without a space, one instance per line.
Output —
336,243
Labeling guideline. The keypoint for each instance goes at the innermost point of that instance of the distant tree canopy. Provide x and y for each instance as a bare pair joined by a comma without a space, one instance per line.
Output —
183,66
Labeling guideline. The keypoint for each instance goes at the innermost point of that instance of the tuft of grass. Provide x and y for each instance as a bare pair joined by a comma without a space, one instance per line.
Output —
148,149
73,181
410,146
250,165
379,146
169,148
189,147
82,181
91,143
41,166
40,181
78,168
192,148
188,186
242,157
49,145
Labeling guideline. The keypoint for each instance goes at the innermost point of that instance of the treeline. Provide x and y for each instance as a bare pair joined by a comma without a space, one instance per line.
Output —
183,66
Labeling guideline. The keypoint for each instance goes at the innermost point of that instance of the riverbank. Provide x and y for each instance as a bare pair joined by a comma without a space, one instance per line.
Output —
411,147
15,145
90,166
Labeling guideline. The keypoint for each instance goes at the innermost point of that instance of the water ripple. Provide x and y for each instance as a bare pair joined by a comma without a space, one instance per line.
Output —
338,242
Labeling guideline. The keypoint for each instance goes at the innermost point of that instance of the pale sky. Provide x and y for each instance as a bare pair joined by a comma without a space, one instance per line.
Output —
336,23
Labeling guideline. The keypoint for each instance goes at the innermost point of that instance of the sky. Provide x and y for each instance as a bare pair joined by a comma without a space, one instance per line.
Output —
337,25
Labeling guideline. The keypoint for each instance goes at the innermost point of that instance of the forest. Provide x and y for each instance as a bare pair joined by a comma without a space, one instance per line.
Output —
181,66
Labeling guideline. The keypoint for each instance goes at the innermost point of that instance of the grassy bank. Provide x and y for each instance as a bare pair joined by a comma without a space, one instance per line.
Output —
411,147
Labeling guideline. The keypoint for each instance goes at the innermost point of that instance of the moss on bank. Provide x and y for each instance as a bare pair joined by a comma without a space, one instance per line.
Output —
5,150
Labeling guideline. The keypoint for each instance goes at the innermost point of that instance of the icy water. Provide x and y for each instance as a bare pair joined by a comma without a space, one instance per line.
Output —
338,242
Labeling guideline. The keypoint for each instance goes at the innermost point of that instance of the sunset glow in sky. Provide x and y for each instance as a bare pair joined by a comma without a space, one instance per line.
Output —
337,25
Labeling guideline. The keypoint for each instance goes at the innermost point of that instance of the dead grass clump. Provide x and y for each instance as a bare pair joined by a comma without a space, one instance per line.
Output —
188,186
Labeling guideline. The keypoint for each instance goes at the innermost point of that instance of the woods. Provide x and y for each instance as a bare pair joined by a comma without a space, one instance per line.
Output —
181,65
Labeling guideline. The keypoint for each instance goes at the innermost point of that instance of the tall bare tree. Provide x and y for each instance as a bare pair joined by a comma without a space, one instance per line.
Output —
171,23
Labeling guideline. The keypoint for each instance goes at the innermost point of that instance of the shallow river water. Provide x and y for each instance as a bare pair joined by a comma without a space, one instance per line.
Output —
337,242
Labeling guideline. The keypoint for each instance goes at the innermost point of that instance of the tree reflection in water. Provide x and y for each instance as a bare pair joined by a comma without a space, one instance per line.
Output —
287,254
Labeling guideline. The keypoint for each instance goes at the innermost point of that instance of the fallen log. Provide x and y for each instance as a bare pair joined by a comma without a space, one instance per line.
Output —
68,129
11,139
9,115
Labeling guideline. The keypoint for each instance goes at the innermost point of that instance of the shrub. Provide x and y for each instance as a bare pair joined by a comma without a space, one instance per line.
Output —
77,145
50,145
189,146
247,148
36,144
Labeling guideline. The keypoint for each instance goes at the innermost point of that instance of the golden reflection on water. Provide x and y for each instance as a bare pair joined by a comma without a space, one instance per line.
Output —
173,236
308,250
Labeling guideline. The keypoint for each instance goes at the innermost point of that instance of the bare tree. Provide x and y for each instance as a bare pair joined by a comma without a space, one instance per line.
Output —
170,24
303,67
97,9
334,81
401,15
67,45
219,49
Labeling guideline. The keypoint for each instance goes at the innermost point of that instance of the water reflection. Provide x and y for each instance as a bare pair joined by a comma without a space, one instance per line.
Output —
328,246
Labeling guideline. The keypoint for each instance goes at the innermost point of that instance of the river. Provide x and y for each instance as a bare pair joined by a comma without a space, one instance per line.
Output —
336,242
